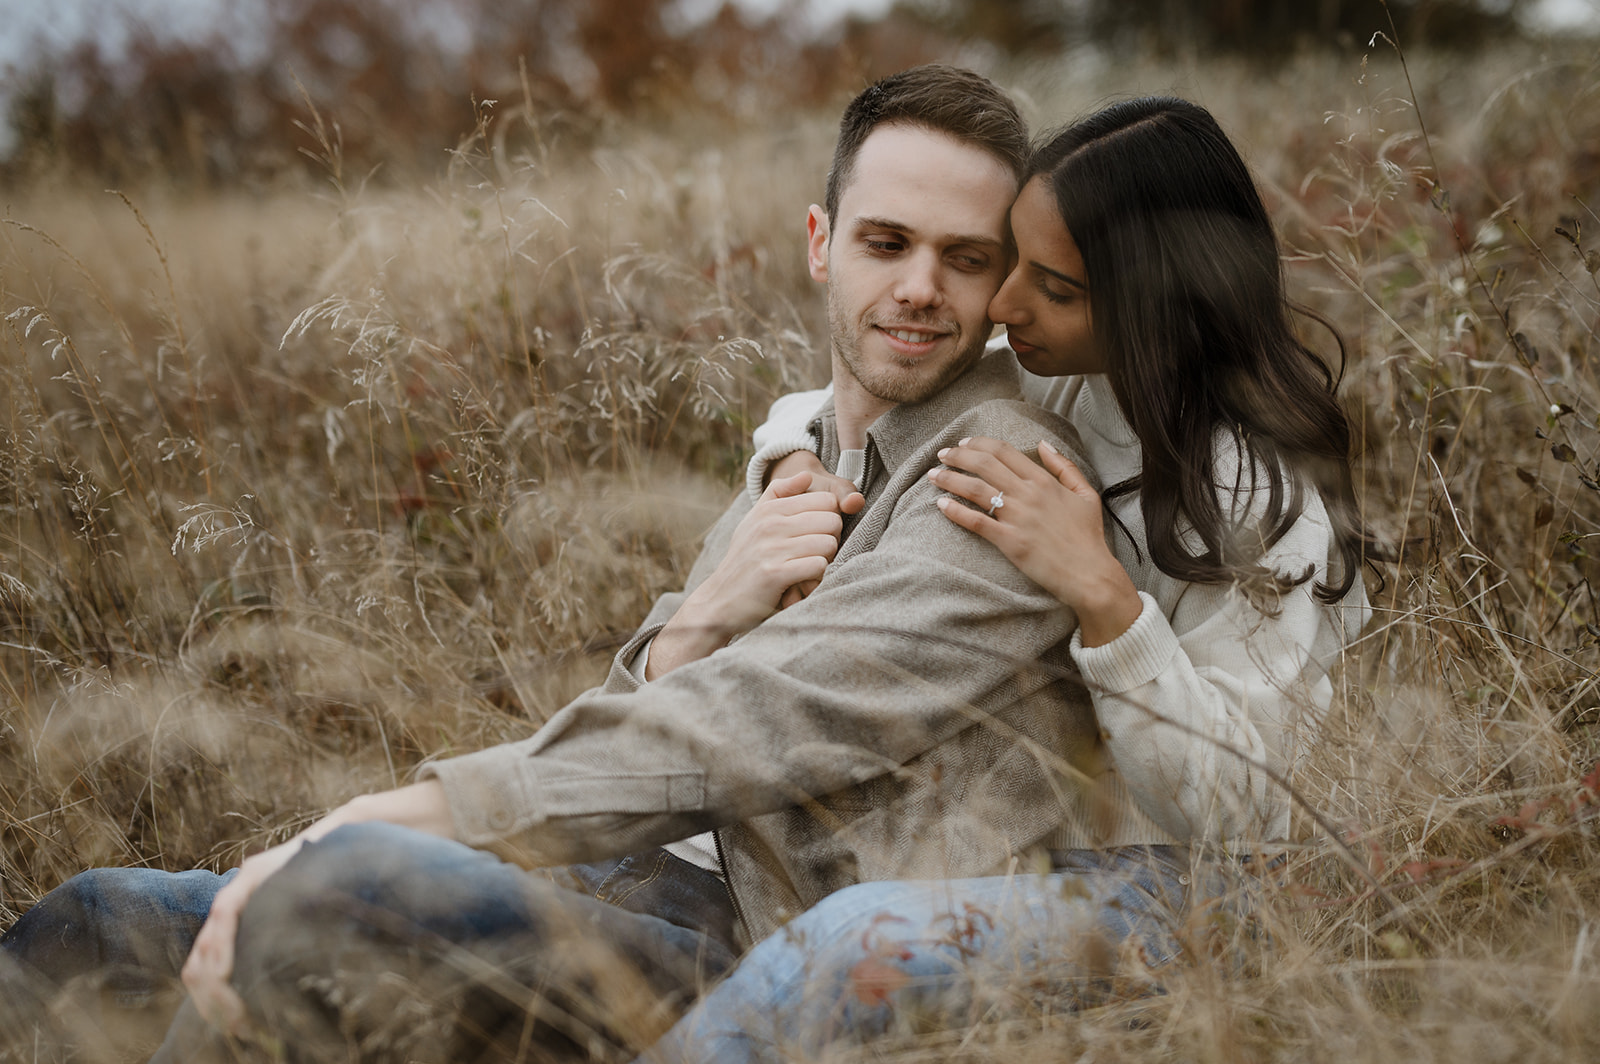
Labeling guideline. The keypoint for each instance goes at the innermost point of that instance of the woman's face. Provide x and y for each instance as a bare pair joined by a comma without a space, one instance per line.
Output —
1044,302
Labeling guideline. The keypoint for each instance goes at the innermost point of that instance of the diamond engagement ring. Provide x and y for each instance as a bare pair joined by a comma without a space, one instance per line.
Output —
997,502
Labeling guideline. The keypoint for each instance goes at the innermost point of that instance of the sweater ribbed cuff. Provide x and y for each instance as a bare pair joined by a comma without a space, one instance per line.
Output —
755,474
1134,658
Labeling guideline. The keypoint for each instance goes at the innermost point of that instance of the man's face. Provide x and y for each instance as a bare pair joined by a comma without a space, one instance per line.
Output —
917,251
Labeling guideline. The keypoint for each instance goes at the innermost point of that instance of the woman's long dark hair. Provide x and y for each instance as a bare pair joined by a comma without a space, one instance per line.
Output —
1187,298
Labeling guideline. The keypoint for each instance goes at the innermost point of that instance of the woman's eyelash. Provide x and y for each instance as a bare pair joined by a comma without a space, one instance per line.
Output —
1050,294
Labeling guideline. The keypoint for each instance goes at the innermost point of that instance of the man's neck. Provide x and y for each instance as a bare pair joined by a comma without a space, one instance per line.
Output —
854,408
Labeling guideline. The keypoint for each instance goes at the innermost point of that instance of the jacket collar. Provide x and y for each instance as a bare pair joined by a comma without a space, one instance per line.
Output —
902,430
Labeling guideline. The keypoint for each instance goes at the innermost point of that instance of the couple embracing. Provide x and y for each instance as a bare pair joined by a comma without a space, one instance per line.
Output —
986,680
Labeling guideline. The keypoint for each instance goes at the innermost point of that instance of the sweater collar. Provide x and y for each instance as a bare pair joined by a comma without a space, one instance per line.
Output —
1097,411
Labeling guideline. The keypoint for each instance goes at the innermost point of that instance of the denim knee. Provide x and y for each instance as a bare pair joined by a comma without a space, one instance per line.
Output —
108,917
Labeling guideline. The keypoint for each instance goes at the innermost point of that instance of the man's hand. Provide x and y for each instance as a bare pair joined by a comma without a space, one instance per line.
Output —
788,538
206,974
850,502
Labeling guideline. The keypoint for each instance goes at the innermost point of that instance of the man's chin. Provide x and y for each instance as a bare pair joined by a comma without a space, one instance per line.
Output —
914,384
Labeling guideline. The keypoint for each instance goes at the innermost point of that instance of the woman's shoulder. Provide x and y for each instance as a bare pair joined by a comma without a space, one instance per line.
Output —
1245,482
1055,394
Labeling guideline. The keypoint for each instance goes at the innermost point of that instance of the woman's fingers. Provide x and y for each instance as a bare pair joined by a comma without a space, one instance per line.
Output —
1060,467
976,491
972,520
787,487
983,455
830,490
981,464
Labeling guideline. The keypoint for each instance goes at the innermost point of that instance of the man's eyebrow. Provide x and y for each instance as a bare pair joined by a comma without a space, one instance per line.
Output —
862,222
1058,275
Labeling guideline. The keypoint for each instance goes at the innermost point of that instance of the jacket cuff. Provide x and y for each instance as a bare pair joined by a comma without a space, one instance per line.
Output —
1134,658
488,802
623,679
755,474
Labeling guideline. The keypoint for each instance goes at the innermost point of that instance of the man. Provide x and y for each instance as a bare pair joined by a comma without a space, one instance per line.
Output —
890,724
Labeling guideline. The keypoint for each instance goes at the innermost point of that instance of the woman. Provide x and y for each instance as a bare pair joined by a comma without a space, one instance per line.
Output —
1147,306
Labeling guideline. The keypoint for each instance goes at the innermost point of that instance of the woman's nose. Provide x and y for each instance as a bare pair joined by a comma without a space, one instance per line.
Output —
1005,308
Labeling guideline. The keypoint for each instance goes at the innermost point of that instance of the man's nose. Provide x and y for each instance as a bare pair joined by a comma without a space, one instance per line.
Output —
921,282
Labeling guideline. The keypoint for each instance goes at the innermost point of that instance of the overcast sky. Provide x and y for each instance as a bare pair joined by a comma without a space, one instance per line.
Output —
56,24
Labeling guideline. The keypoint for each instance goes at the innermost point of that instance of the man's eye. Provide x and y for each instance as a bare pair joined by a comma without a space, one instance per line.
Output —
975,263
883,246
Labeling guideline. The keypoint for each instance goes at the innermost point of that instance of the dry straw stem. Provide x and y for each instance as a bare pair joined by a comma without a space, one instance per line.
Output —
298,491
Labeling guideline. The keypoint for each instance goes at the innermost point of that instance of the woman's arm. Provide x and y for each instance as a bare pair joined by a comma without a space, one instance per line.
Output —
1204,699
1200,696
783,433
1045,517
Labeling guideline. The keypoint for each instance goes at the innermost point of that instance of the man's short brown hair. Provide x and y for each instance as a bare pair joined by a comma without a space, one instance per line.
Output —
946,99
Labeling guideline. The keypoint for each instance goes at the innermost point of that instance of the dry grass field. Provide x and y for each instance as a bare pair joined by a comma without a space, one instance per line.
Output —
303,486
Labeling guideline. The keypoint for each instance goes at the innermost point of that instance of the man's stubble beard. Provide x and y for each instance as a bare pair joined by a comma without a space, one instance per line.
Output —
906,385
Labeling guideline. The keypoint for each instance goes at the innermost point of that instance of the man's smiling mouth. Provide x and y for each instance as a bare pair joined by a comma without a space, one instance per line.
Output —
913,336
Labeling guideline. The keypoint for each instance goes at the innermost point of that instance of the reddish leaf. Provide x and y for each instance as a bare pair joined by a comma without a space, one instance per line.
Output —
1417,871
873,979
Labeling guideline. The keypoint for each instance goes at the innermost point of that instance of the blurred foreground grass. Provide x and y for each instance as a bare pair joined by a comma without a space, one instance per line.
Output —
299,489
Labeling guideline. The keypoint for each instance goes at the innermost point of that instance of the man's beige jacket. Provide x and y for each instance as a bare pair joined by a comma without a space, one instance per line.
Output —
916,716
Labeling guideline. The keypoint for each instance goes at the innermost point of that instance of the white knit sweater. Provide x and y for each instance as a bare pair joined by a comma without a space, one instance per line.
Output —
1203,690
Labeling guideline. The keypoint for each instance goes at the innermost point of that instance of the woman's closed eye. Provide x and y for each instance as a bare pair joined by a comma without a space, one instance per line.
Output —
1052,293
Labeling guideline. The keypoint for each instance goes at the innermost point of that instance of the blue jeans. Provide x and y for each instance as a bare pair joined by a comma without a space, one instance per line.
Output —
411,947
900,957
408,946
110,941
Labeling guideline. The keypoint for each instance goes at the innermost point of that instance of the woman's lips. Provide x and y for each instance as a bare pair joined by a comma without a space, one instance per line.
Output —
1019,346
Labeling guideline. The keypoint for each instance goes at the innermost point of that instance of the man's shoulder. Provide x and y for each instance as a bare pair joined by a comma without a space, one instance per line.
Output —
1011,414
1019,423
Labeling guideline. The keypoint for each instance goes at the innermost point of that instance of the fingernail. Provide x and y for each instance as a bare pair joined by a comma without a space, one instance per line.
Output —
943,451
962,442
943,502
933,474
1044,445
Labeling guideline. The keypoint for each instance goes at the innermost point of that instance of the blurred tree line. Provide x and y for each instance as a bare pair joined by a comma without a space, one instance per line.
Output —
395,89
1266,30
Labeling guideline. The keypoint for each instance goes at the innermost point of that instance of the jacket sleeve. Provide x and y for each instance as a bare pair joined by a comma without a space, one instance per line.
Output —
1191,705
783,433
899,648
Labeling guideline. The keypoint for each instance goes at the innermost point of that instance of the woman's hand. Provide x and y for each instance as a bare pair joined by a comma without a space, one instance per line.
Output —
206,972
1048,521
786,541
850,498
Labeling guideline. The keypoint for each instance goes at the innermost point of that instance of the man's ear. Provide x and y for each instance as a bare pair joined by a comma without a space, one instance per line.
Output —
817,243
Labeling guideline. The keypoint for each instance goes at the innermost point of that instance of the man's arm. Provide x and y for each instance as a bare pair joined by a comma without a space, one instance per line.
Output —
899,648
787,539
